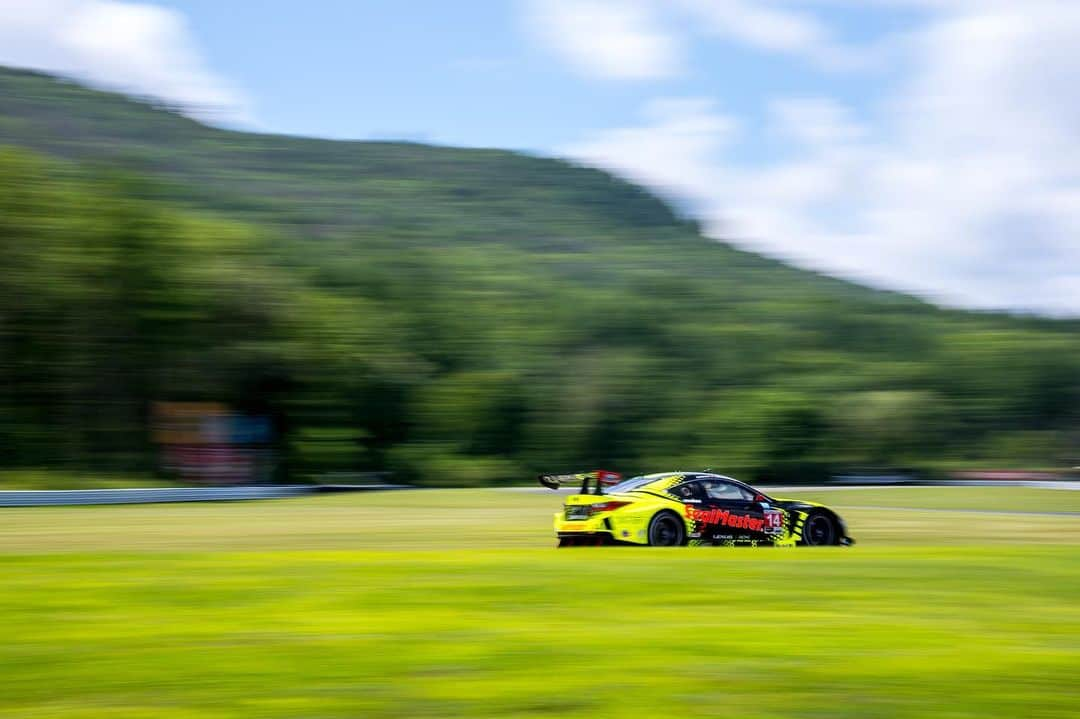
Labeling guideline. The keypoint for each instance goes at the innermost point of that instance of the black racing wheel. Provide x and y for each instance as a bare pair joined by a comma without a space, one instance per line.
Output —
819,530
666,530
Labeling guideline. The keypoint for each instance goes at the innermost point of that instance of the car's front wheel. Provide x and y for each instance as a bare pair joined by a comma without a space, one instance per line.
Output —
819,530
666,530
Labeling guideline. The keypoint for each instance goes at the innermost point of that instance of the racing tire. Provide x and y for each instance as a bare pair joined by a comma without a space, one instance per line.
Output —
666,529
819,530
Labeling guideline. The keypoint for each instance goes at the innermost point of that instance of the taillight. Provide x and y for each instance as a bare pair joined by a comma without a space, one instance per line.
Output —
605,507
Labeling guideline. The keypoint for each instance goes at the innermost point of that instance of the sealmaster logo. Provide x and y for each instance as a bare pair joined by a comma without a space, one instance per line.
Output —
725,518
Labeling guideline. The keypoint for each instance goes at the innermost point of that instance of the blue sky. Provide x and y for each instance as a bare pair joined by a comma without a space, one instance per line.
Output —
474,74
929,146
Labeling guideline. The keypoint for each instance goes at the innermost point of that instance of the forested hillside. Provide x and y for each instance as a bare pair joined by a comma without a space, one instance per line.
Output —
459,316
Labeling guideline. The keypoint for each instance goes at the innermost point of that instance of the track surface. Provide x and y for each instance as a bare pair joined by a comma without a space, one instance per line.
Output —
456,604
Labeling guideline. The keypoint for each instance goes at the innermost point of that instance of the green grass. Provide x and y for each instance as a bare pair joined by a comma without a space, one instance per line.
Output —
23,479
453,603
1015,499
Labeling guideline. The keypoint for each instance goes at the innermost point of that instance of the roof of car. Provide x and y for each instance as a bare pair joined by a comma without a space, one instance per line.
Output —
680,477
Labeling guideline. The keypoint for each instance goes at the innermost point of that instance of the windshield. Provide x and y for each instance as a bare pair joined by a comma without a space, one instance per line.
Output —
629,484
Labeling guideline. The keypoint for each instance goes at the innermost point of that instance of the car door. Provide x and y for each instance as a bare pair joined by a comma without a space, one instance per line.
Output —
691,496
730,514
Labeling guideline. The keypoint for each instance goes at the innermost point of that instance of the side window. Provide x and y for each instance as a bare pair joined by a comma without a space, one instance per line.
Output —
718,489
686,491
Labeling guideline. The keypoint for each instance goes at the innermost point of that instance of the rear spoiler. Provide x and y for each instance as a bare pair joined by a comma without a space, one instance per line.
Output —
601,478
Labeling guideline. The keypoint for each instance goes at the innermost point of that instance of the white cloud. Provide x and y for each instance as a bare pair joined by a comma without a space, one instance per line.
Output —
132,46
675,152
770,28
647,39
964,186
615,39
814,122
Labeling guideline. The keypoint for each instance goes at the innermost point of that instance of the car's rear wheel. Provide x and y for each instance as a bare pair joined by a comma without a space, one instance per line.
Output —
666,530
819,530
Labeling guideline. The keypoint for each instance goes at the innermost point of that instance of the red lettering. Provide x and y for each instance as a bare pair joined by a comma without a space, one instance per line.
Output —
727,519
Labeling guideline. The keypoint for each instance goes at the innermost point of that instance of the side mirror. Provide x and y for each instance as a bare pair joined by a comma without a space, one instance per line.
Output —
760,498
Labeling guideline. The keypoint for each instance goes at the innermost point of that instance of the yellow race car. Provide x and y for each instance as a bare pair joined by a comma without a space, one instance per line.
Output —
673,509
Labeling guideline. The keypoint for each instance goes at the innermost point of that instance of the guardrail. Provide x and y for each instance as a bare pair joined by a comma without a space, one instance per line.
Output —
61,497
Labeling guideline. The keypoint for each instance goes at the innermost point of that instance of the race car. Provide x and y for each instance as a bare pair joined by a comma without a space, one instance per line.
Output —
673,509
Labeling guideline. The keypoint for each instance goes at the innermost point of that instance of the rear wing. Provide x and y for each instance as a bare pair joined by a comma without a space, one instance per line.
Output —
600,478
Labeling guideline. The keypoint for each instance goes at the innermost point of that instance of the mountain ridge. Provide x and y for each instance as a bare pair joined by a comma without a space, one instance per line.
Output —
57,136
460,316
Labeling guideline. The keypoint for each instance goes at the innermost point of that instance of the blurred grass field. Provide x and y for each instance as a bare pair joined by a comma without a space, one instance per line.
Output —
52,479
453,603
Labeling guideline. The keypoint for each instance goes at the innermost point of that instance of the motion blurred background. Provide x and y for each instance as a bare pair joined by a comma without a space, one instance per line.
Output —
458,244
788,239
